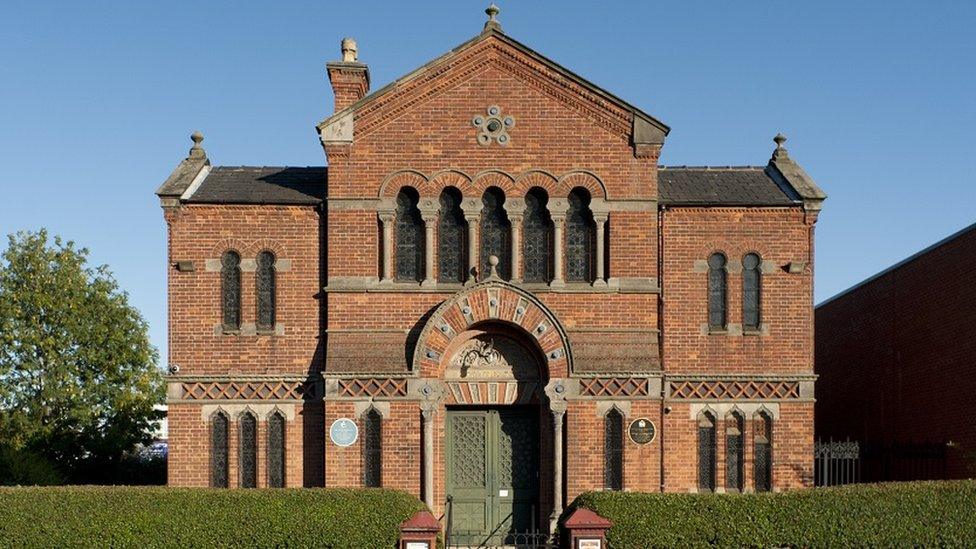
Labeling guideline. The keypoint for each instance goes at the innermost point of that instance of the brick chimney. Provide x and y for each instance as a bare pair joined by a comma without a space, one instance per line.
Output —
349,77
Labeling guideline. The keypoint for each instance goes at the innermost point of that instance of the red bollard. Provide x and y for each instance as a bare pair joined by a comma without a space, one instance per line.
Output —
419,531
587,530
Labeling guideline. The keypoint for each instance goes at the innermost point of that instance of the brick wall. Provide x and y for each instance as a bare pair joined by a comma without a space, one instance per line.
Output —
895,355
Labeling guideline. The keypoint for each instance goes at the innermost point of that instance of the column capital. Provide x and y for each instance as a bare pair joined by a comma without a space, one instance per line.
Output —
471,207
514,207
386,216
429,209
558,207
600,209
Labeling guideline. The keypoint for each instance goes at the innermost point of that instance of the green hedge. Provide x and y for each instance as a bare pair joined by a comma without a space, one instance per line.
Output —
911,514
186,517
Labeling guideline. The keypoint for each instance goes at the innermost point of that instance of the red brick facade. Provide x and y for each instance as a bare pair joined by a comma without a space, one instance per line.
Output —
895,356
350,337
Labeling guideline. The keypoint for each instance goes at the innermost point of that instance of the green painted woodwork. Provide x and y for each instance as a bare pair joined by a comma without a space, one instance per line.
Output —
492,470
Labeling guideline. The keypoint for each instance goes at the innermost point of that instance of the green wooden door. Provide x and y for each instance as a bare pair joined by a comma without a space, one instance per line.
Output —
492,470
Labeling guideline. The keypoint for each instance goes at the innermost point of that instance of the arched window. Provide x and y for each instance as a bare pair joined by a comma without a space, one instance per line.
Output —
763,451
372,449
706,452
230,290
734,448
537,237
248,463
218,450
266,289
580,237
451,237
496,234
751,288
409,237
716,291
613,450
276,451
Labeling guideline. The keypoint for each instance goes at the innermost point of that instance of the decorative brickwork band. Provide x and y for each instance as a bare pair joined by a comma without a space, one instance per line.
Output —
242,390
373,387
492,392
615,386
737,389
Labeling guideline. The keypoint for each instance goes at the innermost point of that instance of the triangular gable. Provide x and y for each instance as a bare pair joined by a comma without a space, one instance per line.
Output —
610,111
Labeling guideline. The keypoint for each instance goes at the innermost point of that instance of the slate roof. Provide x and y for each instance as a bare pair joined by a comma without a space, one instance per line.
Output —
262,185
724,186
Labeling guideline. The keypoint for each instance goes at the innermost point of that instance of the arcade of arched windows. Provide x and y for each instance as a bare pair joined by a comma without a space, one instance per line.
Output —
537,238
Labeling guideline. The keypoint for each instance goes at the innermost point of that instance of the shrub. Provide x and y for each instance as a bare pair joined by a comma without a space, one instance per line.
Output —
85,516
22,467
915,514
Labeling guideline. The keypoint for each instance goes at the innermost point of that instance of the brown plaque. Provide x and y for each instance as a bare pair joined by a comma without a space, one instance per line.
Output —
642,430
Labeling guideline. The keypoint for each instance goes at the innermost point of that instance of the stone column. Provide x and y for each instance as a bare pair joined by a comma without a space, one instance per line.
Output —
557,210
428,212
515,208
601,213
557,391
386,220
427,417
557,466
472,215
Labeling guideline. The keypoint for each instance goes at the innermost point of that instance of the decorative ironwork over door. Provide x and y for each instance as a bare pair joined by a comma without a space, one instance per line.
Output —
492,475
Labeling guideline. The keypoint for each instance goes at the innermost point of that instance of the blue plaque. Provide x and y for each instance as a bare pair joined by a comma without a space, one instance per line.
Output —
343,432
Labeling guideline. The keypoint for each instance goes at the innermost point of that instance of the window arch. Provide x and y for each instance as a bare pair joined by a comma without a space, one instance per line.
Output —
763,451
496,234
580,237
266,285
230,290
218,450
451,237
276,450
717,285
751,291
537,232
613,450
734,449
372,449
248,445
706,452
409,237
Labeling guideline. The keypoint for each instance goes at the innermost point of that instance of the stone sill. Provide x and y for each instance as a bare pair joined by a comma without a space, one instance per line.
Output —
600,287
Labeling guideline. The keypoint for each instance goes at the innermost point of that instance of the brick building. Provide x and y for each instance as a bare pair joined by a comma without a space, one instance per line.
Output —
493,295
893,345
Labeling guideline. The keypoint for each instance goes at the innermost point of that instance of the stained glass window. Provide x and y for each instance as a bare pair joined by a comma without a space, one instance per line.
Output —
276,451
613,450
451,238
706,452
580,238
496,234
409,237
248,455
231,290
751,287
716,291
266,287
537,238
372,449
218,450
763,451
734,443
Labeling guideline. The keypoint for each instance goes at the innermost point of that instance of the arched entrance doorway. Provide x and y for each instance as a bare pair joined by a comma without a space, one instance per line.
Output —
492,451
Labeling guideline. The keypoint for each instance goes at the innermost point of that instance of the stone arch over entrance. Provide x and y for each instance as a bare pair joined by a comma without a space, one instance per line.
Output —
502,306
493,363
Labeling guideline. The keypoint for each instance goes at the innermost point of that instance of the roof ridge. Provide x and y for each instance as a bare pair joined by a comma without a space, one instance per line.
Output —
715,168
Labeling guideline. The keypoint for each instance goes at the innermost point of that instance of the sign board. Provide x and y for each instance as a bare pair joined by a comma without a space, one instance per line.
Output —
343,432
589,543
418,545
642,430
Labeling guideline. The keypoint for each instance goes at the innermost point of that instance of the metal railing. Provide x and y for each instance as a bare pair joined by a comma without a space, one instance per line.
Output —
836,462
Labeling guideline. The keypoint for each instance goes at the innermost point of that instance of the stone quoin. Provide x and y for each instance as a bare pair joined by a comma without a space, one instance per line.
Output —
491,282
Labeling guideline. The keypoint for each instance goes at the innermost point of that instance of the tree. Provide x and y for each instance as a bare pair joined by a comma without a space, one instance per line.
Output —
78,376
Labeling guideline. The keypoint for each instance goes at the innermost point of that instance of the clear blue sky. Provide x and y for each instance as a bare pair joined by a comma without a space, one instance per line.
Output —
97,100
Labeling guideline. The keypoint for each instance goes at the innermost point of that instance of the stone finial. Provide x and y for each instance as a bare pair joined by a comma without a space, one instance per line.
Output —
493,263
196,151
780,151
350,51
492,22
